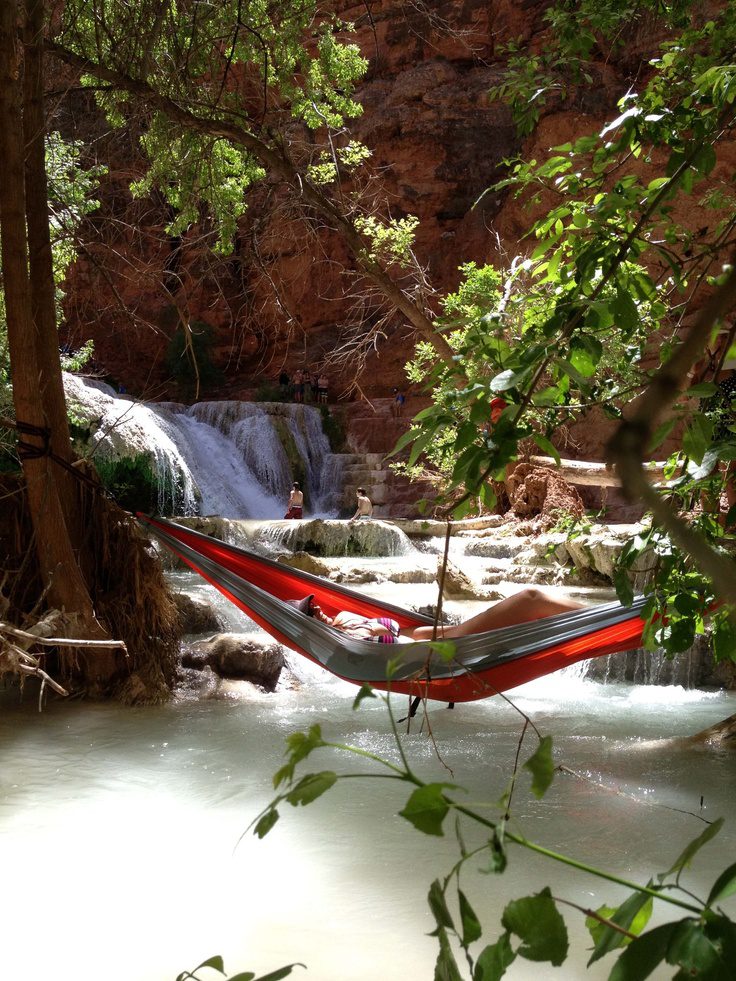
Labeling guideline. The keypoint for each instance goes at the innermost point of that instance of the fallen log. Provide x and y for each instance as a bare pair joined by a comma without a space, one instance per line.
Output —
592,474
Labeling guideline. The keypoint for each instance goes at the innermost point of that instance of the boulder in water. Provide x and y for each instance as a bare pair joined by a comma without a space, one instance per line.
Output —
456,585
196,616
238,656
305,563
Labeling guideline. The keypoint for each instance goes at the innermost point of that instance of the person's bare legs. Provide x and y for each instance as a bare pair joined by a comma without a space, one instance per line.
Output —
528,604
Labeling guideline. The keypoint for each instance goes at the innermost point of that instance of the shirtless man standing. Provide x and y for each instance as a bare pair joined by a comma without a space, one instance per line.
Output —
296,502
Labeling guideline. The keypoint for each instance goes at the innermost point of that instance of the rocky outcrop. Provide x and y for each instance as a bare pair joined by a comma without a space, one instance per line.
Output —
542,491
195,615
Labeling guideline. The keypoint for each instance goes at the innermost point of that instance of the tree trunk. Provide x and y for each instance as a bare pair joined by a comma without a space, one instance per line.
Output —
43,304
60,572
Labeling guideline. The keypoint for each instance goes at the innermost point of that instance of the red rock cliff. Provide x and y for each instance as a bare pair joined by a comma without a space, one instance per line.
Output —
438,143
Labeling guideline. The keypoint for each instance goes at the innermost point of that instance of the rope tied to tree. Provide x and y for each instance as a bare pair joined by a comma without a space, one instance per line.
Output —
30,451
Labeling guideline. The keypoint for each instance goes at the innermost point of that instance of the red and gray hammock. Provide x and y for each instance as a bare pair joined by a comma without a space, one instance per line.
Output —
482,664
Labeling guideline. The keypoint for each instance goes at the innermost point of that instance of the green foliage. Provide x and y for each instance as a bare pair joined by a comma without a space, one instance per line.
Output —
256,70
577,33
576,321
347,158
71,196
134,484
701,945
390,241
76,360
217,964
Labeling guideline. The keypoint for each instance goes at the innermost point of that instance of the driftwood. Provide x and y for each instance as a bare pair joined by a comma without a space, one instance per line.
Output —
15,658
593,474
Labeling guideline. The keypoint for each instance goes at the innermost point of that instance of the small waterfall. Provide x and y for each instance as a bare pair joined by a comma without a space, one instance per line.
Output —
338,538
233,459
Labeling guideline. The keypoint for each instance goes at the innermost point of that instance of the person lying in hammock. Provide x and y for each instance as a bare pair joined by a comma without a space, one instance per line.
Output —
524,606
383,630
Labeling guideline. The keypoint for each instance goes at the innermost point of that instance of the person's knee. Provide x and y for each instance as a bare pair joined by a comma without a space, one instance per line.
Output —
532,595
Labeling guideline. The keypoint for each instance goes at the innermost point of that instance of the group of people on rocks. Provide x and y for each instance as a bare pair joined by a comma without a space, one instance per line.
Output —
304,386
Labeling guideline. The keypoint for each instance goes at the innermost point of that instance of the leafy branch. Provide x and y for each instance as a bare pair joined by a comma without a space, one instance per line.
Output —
533,926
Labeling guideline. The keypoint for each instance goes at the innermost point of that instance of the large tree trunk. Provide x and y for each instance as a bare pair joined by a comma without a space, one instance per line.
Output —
61,575
43,306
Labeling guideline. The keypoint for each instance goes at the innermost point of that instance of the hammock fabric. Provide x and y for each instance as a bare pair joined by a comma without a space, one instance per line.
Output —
482,664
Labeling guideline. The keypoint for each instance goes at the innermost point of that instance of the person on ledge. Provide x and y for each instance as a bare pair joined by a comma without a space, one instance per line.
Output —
365,508
296,502
524,606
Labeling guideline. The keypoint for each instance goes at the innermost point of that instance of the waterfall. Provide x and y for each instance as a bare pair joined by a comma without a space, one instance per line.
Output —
233,459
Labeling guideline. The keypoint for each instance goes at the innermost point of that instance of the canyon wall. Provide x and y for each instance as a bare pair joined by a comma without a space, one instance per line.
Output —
281,299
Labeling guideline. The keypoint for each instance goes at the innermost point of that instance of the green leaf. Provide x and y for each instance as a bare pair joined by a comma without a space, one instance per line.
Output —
661,433
446,649
571,371
548,396
725,885
505,380
310,787
697,437
465,436
282,972
472,930
266,822
707,465
419,446
546,447
300,745
695,845
216,963
438,905
693,951
493,960
541,766
625,311
427,808
537,922
632,915
497,852
643,955
446,968
407,437
366,691
702,391
724,640
585,355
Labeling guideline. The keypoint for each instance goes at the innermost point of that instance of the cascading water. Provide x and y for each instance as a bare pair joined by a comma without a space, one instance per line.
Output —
233,459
